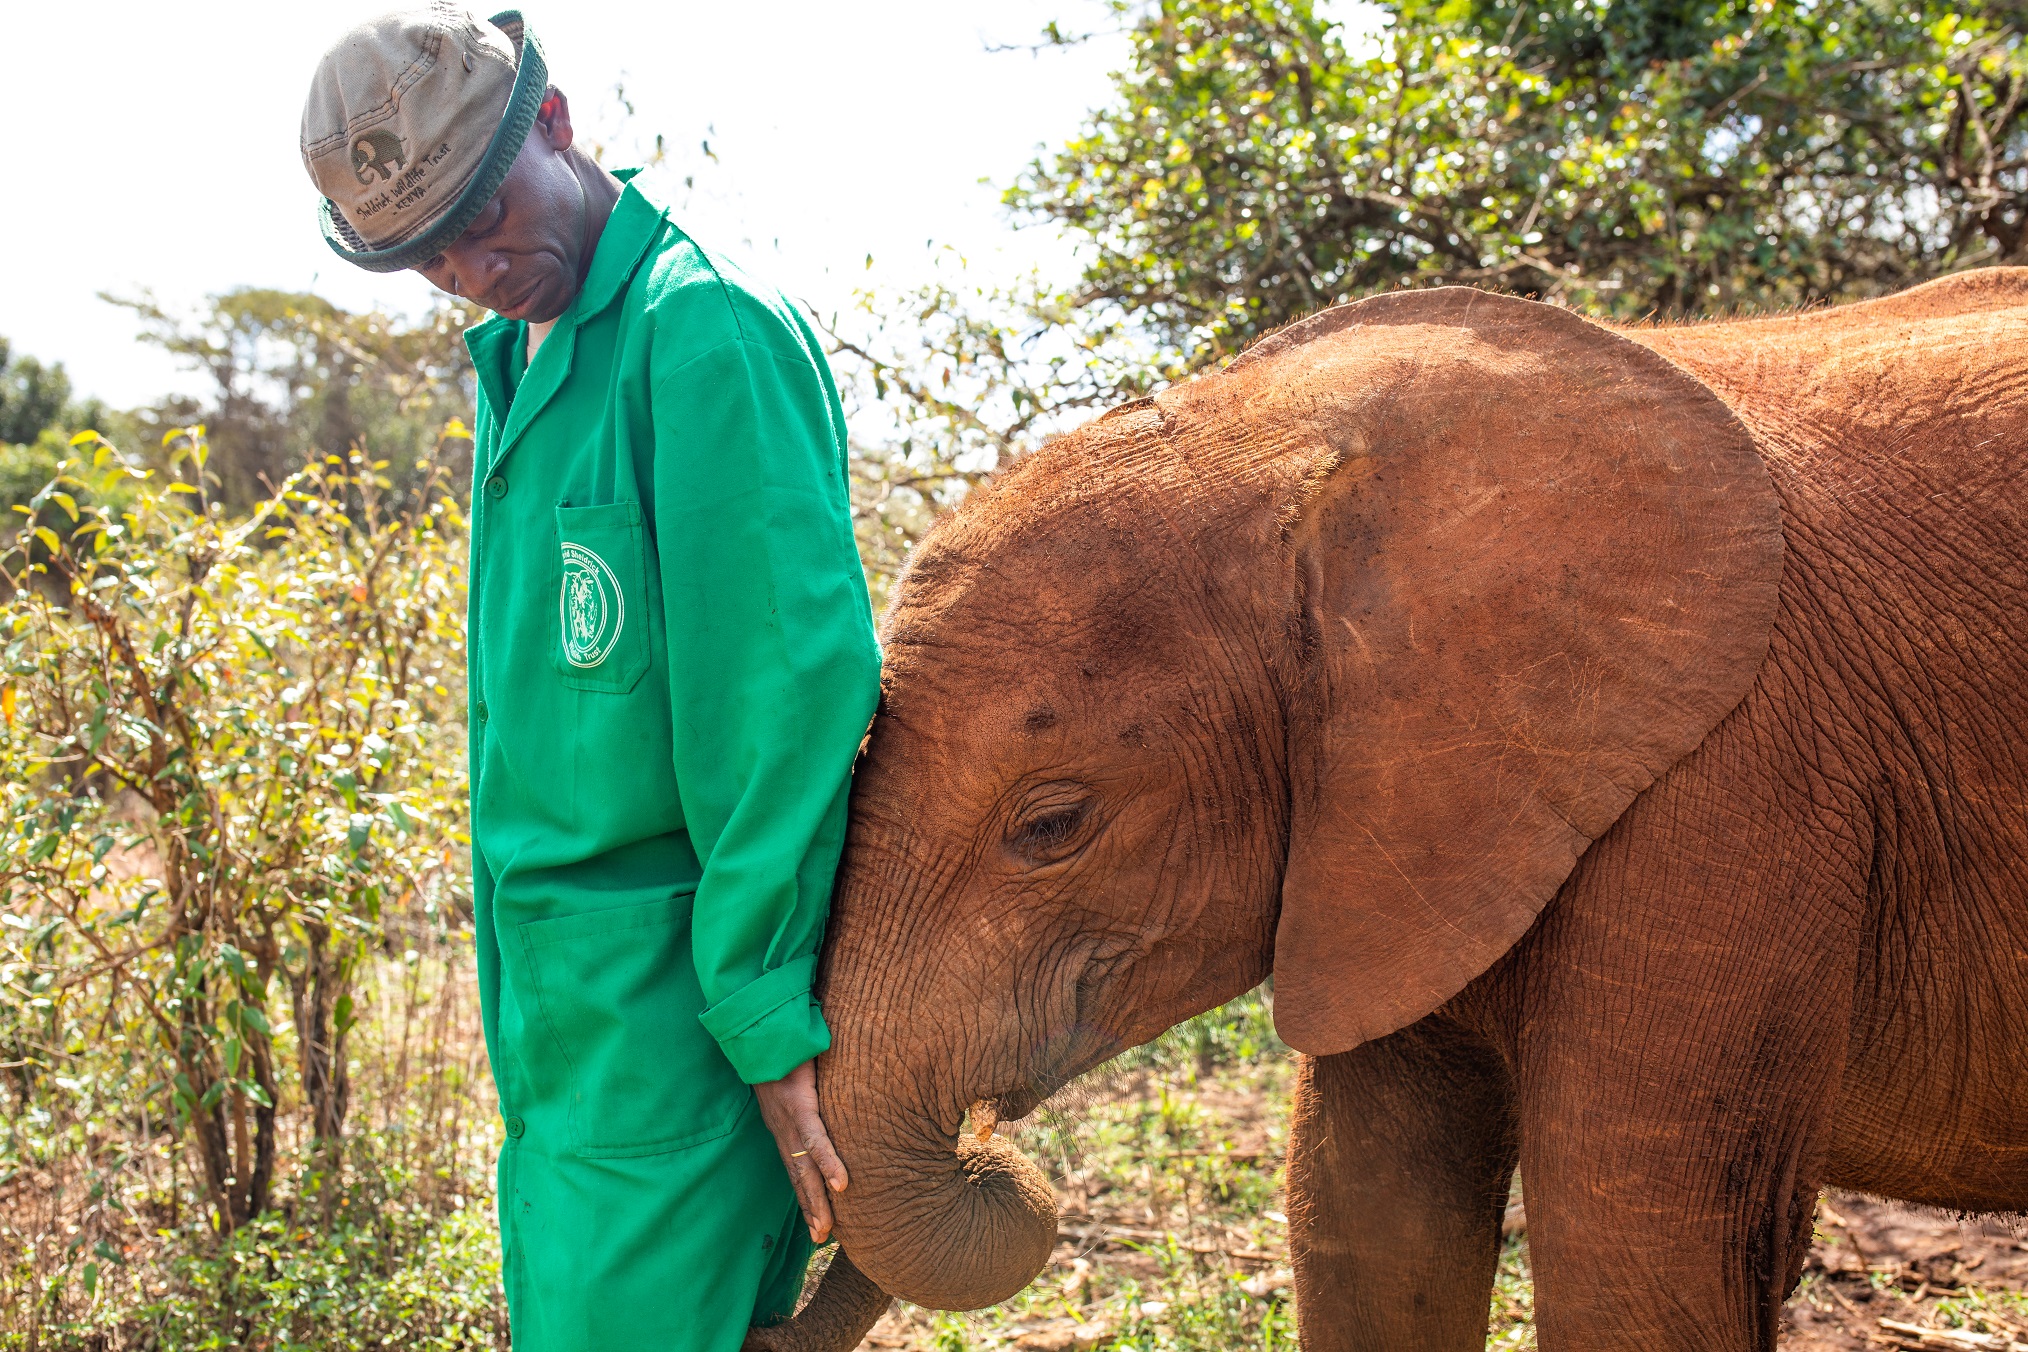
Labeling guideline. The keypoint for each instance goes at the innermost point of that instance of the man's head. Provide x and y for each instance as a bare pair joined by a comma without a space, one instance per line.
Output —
440,146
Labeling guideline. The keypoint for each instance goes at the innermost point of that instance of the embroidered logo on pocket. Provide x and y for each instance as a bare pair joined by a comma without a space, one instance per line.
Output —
594,610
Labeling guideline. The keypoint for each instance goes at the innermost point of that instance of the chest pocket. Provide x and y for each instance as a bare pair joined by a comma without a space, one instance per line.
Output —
602,621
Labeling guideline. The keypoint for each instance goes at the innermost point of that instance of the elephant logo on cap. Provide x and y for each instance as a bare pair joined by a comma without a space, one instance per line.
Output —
376,150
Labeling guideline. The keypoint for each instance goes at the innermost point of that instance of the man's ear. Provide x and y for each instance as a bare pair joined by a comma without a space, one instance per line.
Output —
552,120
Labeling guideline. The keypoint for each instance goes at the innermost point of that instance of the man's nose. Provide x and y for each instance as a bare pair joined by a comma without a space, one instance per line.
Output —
478,272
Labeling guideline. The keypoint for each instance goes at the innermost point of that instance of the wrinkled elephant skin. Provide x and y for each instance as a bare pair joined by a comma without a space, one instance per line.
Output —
1615,743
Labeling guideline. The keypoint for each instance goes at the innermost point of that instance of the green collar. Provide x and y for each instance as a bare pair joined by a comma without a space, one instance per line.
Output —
628,233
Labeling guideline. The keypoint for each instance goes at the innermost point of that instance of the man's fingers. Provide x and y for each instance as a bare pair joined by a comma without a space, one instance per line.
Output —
789,1106
810,1194
823,1156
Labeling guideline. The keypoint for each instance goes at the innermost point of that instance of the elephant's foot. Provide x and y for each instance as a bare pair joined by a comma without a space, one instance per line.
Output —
835,1319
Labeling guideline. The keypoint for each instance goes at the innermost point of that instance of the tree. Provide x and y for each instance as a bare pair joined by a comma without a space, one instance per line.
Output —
298,378
953,380
1673,156
32,396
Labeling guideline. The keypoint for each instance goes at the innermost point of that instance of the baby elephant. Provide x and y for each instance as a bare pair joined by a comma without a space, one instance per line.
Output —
1615,742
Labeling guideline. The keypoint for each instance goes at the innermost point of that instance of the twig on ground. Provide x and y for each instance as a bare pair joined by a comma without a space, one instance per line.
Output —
1952,1338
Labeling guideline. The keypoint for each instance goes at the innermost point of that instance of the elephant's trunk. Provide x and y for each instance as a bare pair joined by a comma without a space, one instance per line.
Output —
974,1237
957,1226
934,1215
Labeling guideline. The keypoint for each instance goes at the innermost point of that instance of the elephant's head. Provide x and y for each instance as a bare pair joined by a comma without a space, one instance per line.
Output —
1333,663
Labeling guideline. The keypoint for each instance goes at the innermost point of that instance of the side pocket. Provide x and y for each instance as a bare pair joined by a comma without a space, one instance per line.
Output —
619,993
602,620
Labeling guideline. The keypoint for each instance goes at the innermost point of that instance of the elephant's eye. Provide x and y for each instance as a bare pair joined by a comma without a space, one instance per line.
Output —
1051,823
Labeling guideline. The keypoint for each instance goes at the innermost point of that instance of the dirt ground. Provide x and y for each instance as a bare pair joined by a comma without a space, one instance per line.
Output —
1884,1275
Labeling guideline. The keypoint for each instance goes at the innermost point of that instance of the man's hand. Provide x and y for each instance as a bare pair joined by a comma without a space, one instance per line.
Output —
789,1107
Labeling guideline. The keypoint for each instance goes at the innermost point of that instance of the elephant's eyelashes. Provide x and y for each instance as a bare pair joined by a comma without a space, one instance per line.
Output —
1052,830
1051,825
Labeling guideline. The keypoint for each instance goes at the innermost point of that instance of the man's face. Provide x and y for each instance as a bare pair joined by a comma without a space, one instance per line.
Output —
524,257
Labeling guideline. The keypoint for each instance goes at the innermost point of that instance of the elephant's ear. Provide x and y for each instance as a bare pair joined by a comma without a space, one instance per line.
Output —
1538,563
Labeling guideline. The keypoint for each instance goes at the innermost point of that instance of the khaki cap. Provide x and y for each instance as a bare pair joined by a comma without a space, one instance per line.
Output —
412,123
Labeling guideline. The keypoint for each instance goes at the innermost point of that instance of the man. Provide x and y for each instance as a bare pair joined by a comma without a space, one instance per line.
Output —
671,663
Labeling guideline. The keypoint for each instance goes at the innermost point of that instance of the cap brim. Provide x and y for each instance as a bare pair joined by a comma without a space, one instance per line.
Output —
531,82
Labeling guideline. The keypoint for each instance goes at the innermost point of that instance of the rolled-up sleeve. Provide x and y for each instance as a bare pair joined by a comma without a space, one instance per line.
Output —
774,674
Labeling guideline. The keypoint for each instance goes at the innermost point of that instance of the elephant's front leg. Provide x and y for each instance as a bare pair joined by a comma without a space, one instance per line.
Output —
1399,1163
1674,1225
1687,1002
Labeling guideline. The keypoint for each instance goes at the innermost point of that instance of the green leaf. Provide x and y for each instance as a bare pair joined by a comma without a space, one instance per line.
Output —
49,540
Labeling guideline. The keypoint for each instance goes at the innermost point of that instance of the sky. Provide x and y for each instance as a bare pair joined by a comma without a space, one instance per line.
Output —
168,160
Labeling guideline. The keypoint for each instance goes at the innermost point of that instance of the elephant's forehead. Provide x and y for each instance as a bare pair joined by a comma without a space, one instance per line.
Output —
973,694
1059,629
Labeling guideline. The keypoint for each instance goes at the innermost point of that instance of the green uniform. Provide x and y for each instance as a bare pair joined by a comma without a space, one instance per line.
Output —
672,665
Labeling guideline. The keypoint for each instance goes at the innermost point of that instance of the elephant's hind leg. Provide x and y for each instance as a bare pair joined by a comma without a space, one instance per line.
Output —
1399,1164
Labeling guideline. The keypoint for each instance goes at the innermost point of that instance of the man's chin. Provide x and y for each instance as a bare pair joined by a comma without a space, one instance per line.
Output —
541,306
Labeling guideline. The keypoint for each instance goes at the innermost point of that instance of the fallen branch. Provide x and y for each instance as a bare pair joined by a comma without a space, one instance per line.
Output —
1963,1339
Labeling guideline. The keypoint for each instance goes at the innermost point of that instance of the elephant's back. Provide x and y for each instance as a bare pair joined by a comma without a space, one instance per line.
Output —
1960,296
1896,434
1922,392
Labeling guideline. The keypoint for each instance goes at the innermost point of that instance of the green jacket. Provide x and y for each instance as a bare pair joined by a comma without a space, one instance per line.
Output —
672,666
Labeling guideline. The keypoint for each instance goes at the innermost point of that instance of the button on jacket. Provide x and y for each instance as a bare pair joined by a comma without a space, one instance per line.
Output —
672,665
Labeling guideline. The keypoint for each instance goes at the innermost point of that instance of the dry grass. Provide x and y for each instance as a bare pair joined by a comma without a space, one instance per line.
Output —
105,1242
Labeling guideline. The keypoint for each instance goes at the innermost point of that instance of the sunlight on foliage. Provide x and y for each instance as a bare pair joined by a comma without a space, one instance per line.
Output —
952,381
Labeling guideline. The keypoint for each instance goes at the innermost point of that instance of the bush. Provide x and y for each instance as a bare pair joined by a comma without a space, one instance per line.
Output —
383,1274
231,766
